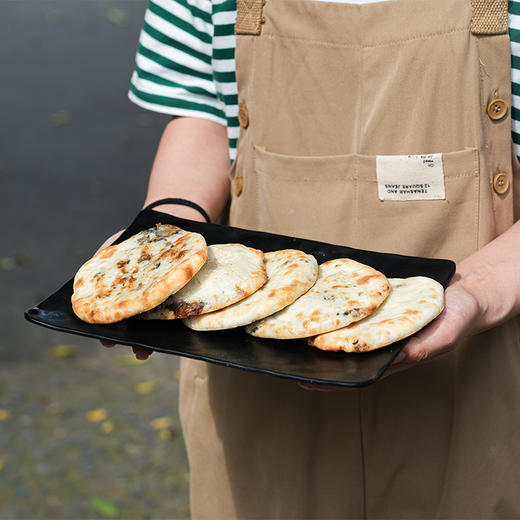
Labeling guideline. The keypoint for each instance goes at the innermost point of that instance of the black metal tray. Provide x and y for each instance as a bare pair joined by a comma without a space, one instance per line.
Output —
292,359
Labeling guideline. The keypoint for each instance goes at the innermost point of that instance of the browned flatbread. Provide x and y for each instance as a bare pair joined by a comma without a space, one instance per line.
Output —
291,273
345,291
412,304
231,273
136,275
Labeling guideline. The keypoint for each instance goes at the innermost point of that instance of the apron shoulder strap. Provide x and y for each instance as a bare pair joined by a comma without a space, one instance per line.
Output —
249,17
489,16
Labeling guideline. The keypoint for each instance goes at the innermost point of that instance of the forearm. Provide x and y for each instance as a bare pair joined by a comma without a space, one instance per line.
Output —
192,162
492,276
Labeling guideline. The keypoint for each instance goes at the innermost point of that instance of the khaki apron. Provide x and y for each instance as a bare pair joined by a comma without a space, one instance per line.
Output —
324,88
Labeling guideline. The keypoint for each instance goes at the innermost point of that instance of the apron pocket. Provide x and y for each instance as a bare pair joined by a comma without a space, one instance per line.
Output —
303,196
433,228
335,199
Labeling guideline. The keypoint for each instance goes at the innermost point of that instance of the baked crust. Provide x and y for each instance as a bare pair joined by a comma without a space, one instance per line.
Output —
290,273
231,273
412,304
136,275
345,291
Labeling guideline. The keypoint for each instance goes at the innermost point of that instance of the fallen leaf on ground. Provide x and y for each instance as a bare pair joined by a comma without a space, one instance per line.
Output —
60,118
23,260
104,507
168,433
160,423
61,351
107,427
146,387
7,263
100,414
117,16
5,415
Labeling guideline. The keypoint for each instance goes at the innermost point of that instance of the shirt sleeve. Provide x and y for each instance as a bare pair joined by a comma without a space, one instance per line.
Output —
173,70
514,34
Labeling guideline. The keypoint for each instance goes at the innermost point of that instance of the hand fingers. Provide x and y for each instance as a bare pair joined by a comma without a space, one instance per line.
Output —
443,334
142,353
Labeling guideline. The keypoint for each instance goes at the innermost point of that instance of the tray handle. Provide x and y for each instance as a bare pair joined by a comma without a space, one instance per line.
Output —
180,202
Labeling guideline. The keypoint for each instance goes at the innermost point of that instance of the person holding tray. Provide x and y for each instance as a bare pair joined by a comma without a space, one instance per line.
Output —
327,95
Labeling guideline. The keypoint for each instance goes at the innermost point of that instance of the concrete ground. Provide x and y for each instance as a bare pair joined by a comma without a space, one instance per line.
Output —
84,432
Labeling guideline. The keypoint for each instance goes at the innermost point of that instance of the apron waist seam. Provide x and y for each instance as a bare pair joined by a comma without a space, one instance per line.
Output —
390,43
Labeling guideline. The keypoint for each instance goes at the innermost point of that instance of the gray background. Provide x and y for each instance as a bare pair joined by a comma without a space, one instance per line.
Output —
74,161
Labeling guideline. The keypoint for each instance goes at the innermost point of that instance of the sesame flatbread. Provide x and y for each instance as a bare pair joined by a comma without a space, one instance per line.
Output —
412,304
290,273
345,291
136,275
231,273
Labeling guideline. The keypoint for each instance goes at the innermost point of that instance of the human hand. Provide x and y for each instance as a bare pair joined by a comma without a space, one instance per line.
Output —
459,319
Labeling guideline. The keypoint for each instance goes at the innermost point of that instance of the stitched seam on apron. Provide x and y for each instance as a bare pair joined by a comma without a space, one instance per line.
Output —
477,199
484,133
485,138
357,46
251,102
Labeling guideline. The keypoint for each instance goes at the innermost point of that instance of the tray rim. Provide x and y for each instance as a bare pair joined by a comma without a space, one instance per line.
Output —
398,346
263,371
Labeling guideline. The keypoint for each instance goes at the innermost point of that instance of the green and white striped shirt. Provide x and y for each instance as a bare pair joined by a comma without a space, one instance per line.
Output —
185,63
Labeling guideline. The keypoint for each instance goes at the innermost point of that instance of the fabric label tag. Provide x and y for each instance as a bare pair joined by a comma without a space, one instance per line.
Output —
410,177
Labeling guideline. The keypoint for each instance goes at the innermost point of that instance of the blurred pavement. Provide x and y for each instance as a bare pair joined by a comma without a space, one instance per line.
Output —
74,160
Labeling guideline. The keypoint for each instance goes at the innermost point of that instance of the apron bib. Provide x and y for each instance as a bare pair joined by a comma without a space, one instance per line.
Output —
329,94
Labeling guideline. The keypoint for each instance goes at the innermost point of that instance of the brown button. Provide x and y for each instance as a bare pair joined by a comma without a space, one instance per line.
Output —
238,184
497,109
243,117
501,183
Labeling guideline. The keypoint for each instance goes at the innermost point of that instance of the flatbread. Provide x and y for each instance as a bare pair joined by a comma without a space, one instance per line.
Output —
412,304
290,273
346,291
136,275
231,273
